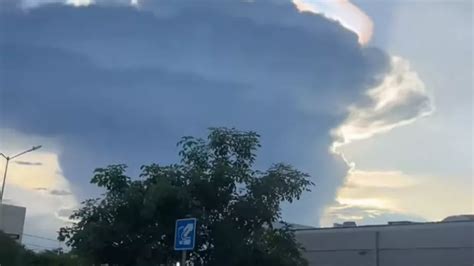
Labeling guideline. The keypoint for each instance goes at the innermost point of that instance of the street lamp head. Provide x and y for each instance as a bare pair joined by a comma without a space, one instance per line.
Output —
36,147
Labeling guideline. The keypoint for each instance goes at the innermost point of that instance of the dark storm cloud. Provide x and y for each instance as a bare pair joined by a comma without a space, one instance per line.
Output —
28,163
54,192
117,84
65,213
59,192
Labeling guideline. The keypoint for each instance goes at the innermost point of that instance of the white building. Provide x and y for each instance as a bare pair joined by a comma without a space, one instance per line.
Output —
447,243
12,220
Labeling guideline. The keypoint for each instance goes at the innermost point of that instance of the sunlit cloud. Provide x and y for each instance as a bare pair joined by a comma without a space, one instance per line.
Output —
343,11
399,100
42,182
375,202
77,3
27,177
363,197
35,181
80,2
379,179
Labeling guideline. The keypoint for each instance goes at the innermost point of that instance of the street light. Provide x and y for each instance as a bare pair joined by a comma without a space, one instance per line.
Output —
8,158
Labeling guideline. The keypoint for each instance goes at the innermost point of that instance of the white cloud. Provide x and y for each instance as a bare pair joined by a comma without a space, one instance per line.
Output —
80,2
379,179
399,100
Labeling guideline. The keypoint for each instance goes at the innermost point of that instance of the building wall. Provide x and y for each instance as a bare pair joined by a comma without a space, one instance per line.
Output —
12,220
427,244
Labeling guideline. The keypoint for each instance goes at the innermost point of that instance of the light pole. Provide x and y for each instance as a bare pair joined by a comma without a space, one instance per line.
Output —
8,159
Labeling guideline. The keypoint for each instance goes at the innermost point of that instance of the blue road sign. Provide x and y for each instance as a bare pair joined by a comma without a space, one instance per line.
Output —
185,234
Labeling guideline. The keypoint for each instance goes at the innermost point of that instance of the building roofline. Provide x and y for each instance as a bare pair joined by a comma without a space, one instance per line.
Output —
381,225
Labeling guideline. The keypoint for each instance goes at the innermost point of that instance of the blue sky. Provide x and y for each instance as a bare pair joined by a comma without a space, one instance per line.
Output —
373,100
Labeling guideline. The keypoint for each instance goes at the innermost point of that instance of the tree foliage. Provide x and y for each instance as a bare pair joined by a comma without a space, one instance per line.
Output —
236,207
14,254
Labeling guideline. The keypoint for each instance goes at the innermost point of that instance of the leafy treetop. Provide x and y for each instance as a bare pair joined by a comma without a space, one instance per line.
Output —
236,207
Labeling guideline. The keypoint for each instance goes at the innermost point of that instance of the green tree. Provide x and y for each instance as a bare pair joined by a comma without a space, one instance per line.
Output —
236,207
14,254
11,253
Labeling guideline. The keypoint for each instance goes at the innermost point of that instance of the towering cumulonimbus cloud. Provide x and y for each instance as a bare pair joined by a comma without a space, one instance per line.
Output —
122,83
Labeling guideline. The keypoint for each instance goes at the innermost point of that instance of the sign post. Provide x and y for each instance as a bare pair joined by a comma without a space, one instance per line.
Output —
183,258
185,236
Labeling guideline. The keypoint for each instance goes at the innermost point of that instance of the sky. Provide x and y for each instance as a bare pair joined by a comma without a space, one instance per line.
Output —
372,99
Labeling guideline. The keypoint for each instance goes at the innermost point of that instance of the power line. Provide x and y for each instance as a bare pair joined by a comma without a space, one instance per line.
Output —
35,249
41,237
39,246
